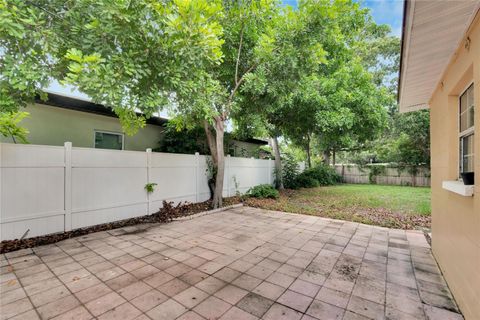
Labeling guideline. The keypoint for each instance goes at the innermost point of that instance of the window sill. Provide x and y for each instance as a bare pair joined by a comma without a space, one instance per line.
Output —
458,187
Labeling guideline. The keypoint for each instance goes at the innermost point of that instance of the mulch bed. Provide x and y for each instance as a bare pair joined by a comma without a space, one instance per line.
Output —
164,215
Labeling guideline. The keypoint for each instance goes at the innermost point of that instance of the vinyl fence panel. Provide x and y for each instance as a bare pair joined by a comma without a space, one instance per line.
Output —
47,189
107,185
31,190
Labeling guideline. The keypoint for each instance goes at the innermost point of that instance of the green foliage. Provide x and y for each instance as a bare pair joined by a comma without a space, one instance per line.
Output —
128,55
24,63
187,141
322,174
150,187
9,126
263,191
375,170
316,86
302,74
408,142
304,180
290,172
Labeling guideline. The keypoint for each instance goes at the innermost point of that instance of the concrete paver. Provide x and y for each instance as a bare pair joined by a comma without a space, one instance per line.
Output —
243,263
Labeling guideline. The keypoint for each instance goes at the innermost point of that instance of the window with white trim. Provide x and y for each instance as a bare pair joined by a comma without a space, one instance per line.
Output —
467,131
108,140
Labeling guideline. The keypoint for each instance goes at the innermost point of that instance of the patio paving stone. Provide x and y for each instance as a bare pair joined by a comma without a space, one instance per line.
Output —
240,264
255,304
231,294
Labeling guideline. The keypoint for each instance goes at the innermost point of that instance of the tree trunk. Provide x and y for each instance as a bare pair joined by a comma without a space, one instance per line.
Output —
212,145
326,157
333,157
414,177
309,158
308,151
220,131
278,164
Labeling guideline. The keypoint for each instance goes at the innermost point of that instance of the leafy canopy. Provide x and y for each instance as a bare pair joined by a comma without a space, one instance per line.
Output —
130,55
10,126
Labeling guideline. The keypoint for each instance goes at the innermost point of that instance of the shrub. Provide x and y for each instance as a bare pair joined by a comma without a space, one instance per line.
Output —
263,191
322,175
305,181
290,172
325,175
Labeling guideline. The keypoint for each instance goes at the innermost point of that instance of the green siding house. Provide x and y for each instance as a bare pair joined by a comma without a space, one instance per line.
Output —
86,124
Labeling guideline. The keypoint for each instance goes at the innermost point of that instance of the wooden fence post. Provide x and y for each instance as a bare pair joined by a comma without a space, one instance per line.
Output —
68,187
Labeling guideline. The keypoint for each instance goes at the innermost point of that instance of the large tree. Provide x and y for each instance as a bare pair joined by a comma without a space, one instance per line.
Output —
316,87
129,55
247,35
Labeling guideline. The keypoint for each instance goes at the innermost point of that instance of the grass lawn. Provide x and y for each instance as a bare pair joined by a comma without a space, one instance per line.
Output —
387,206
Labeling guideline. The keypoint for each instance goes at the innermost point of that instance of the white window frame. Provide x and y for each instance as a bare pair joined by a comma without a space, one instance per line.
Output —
465,133
108,132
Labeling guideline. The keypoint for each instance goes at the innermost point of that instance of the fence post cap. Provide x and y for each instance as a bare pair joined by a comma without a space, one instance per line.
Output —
67,144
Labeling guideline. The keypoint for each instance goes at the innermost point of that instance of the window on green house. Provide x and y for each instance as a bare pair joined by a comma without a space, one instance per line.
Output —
108,140
467,132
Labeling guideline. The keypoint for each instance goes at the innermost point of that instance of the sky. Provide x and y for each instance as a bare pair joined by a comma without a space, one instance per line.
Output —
383,11
387,12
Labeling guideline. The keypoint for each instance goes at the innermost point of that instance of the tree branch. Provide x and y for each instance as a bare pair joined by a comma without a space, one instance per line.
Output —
239,52
239,82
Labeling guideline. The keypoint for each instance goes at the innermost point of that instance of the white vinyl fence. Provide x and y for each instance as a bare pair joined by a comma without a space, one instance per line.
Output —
49,189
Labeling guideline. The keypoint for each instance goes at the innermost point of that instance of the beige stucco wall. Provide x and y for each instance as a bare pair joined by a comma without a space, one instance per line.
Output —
456,219
53,126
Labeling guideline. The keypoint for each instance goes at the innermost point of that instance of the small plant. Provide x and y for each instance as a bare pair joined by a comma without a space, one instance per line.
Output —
263,191
237,185
150,187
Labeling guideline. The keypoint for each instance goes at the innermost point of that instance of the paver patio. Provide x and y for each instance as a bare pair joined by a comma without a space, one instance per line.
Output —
243,264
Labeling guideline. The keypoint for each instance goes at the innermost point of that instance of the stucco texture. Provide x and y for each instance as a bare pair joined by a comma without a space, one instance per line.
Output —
456,219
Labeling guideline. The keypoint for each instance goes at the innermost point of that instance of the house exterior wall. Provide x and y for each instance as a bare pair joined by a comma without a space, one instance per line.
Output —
244,149
53,126
456,219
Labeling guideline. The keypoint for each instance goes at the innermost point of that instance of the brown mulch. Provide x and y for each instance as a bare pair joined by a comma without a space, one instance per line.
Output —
167,213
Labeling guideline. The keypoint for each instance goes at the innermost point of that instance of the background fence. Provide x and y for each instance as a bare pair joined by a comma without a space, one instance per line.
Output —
382,174
48,189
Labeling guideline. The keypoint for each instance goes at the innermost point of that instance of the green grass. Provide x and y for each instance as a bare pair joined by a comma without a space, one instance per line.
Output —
388,206
401,199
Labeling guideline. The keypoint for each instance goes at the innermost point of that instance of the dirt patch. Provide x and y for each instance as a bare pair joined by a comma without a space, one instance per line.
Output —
164,215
